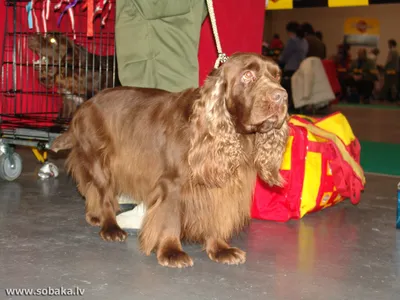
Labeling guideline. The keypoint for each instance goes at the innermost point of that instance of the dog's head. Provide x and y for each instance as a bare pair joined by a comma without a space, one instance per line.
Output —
53,50
242,97
253,94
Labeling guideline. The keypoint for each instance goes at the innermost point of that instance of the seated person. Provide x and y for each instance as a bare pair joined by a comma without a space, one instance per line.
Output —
363,74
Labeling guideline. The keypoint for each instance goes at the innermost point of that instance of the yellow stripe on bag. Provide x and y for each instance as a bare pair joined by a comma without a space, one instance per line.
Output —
311,183
338,123
312,119
287,156
311,137
295,121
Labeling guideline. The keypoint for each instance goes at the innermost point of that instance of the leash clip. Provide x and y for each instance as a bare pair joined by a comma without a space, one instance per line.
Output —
222,57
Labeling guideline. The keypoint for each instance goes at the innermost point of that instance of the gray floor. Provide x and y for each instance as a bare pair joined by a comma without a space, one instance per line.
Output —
344,252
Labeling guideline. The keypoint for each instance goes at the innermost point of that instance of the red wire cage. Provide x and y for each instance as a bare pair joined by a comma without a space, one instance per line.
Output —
24,101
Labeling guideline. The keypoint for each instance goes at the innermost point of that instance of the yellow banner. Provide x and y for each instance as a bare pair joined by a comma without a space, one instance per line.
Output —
279,4
361,26
362,31
340,3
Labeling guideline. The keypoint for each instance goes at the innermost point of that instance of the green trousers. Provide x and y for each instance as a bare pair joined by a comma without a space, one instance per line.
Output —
157,42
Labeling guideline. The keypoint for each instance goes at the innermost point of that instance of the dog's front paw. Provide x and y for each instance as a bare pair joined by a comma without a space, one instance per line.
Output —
174,258
113,233
230,256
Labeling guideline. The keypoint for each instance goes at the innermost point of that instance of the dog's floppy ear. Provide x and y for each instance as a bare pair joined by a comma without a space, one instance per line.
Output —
215,151
270,148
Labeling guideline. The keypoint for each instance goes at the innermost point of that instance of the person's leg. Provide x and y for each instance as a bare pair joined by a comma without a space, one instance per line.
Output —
369,89
384,94
377,88
392,88
343,87
344,83
365,88
352,90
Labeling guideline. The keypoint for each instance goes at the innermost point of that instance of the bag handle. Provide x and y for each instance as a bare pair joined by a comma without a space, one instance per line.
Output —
340,145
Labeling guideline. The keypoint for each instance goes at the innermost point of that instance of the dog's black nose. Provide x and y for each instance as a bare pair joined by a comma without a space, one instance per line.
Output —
279,96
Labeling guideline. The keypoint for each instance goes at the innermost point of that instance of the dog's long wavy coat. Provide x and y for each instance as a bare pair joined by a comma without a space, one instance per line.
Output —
192,157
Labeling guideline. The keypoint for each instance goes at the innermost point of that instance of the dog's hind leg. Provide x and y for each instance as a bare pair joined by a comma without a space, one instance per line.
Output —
85,184
101,202
93,206
161,229
90,165
101,208
110,230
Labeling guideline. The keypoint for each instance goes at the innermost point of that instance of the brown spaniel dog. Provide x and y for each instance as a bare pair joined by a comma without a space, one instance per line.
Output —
192,157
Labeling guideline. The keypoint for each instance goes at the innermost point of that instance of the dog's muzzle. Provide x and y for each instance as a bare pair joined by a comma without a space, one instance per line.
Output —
279,99
279,96
41,61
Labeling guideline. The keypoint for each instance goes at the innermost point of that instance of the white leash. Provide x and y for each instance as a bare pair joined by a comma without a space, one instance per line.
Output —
221,56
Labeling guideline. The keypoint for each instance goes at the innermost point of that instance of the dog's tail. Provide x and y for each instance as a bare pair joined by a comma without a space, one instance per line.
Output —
68,139
63,142
87,129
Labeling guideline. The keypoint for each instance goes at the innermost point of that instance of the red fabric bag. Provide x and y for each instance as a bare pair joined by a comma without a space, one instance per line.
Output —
320,166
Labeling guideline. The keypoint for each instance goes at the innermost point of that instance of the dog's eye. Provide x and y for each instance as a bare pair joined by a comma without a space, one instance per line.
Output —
248,76
53,41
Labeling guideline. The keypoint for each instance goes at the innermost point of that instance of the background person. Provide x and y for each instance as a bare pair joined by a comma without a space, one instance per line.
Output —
293,54
391,69
316,47
363,75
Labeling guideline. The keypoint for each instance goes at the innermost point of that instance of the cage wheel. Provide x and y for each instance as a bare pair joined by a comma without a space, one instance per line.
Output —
8,171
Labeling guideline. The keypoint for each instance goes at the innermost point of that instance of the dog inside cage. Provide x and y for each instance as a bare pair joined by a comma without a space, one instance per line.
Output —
71,69
46,75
